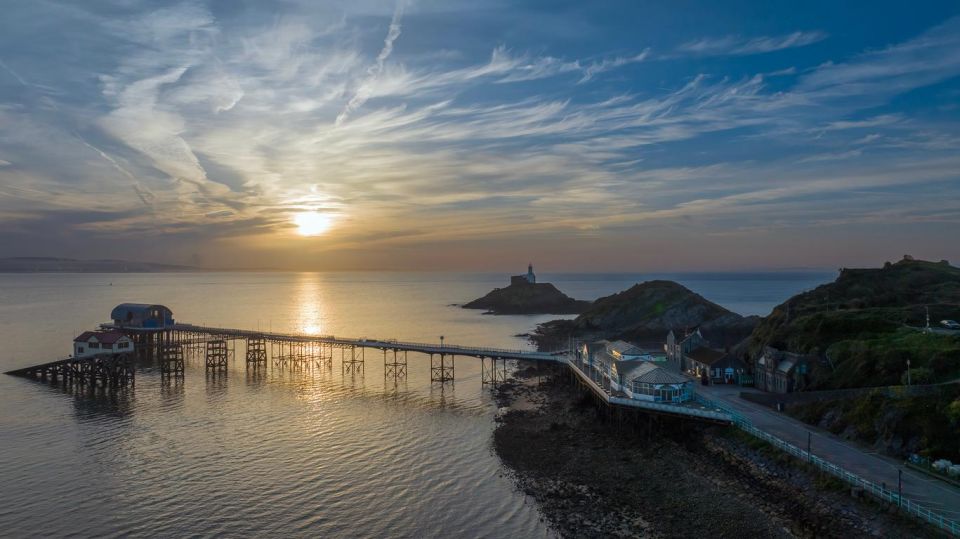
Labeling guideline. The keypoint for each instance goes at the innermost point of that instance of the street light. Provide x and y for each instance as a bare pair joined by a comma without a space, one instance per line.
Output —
900,487
441,341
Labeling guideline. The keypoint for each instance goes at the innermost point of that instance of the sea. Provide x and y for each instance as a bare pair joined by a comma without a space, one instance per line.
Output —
286,453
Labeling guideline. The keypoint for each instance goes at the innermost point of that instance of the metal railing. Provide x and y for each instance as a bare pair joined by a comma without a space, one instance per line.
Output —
879,491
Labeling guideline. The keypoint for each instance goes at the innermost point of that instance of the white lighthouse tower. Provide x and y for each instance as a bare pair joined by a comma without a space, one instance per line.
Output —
531,278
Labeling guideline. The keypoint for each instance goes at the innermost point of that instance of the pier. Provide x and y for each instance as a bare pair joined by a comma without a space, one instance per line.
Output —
218,345
105,370
158,340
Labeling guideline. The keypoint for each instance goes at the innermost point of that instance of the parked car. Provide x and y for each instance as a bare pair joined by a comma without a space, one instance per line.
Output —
950,324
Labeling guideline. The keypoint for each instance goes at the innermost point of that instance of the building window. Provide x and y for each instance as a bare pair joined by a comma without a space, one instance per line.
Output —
123,344
93,345
79,349
642,388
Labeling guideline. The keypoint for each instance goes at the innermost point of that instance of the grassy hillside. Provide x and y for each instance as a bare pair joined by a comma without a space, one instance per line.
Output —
860,325
645,313
882,359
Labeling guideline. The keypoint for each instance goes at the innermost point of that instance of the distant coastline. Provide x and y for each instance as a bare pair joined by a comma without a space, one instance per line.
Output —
71,265
53,264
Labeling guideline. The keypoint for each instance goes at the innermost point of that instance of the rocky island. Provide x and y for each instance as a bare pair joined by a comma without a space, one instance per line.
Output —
645,313
526,296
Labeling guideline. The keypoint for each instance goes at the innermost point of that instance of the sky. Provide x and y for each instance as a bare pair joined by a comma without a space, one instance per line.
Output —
463,135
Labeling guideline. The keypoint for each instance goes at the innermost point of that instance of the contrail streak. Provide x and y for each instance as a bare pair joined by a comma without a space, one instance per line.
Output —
363,91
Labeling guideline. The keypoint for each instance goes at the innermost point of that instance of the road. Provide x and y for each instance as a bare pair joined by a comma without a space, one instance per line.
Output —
932,493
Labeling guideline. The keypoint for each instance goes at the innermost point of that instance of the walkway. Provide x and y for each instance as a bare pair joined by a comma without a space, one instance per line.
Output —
381,344
934,494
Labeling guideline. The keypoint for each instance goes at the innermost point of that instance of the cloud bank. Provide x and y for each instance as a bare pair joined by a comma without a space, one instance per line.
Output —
199,127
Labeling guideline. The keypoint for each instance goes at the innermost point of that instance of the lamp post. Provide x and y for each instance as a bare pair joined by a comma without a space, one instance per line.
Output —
900,487
441,341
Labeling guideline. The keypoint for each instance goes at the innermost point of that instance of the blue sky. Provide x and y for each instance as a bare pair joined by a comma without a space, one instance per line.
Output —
480,135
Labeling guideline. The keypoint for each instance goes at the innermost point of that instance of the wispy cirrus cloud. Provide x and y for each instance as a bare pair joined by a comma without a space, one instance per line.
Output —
893,70
595,68
740,46
218,128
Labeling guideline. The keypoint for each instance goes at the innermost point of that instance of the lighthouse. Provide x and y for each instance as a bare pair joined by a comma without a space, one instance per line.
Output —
531,278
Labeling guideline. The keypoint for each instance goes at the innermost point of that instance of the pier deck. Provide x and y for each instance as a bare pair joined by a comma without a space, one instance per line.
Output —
361,342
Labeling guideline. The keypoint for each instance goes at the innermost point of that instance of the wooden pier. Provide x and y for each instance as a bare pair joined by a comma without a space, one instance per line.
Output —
105,370
216,347
169,347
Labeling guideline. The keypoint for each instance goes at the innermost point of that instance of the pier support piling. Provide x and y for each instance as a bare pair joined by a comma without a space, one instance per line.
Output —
216,357
441,367
353,365
256,352
493,370
171,360
397,368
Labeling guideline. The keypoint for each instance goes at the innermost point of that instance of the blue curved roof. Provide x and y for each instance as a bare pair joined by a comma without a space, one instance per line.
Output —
145,315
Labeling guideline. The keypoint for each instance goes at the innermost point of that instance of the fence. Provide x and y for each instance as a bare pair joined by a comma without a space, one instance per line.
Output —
879,491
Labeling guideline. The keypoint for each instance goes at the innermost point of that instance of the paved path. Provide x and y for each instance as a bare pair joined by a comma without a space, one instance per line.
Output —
933,494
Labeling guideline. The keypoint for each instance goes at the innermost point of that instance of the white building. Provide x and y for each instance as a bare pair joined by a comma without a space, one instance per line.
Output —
643,380
91,343
635,373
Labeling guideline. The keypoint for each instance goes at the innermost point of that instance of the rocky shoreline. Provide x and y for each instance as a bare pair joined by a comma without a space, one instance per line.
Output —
646,476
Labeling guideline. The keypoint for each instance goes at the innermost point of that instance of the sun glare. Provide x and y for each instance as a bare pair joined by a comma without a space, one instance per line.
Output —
312,223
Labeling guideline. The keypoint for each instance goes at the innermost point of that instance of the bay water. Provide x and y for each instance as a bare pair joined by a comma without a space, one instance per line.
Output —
281,452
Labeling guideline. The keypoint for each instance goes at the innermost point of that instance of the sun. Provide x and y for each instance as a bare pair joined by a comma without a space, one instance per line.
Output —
312,223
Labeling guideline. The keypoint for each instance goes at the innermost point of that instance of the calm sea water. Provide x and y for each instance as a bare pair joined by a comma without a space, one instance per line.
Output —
311,453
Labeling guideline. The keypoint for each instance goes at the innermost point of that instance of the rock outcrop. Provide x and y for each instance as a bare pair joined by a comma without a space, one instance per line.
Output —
522,297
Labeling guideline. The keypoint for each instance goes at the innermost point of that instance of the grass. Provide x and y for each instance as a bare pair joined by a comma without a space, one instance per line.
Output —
881,360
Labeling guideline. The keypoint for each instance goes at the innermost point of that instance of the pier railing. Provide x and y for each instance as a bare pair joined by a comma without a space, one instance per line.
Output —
435,348
879,491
